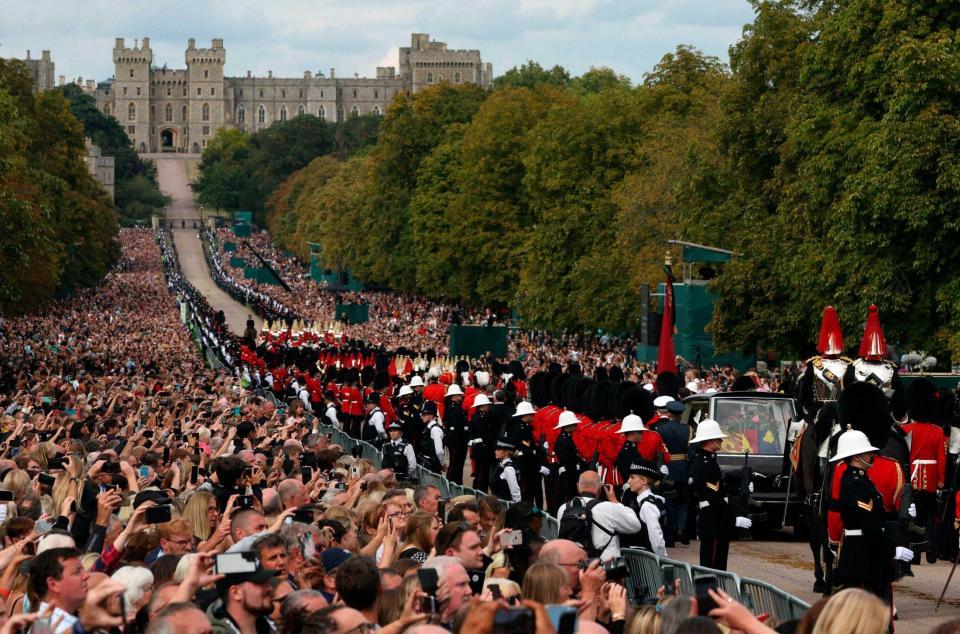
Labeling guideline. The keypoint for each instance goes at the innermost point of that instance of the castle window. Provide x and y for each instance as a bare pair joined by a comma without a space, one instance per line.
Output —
138,91
213,91
321,94
340,112
168,113
376,94
354,112
199,90
205,112
283,94
354,93
261,92
206,74
153,113
184,91
241,114
183,113
131,129
376,110
261,115
168,91
206,130
322,114
132,112
439,78
301,94
429,78
124,90
300,110
131,72
241,93
456,78
283,113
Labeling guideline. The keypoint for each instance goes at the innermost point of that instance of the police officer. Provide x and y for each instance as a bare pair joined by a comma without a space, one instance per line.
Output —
398,454
716,519
643,476
568,458
504,481
675,489
430,445
456,432
867,551
374,431
481,449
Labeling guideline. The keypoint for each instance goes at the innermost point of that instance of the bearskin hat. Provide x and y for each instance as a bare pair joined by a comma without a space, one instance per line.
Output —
922,404
590,398
556,388
636,401
539,389
462,366
574,369
743,383
668,384
863,406
381,381
601,401
823,423
367,375
554,368
600,374
578,403
949,410
516,369
616,373
898,400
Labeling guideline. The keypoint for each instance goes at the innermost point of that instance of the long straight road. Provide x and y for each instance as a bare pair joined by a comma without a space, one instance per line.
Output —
172,175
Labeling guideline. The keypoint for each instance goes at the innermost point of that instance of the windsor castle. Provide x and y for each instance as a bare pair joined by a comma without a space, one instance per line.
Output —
165,110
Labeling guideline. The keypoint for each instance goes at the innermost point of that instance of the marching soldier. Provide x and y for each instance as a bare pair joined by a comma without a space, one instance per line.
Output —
481,450
570,464
716,519
504,482
408,414
639,442
867,551
456,433
531,458
430,444
928,458
398,454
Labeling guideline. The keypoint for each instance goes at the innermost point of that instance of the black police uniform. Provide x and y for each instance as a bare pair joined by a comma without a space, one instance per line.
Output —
715,519
498,484
394,458
426,451
866,553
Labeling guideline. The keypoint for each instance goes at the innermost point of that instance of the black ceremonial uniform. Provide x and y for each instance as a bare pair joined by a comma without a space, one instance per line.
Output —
481,448
629,454
570,465
456,434
676,436
866,552
715,519
528,458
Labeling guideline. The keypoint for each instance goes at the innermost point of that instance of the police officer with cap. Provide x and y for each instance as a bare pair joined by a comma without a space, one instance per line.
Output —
643,476
716,519
398,454
504,481
867,551
430,444
675,489
374,431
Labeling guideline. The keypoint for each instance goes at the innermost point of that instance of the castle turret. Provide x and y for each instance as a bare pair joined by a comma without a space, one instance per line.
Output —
132,90
208,105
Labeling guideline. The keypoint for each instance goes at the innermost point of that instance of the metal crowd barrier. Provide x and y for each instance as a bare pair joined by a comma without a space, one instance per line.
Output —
646,576
761,596
726,581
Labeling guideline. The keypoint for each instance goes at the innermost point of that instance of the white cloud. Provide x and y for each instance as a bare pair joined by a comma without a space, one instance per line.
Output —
290,36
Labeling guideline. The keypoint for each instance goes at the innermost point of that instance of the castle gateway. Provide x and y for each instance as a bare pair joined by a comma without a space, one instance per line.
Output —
165,110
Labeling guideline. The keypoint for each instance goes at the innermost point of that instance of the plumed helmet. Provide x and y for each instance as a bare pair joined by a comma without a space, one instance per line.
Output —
830,341
482,378
922,400
863,406
874,344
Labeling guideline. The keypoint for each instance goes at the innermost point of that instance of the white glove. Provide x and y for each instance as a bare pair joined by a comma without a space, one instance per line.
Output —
912,511
689,480
664,470
545,472
903,554
750,487
743,522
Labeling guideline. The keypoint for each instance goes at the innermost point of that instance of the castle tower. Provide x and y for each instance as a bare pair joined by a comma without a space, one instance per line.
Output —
132,90
206,95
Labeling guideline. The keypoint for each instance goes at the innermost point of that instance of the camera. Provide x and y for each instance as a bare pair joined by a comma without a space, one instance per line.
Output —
615,569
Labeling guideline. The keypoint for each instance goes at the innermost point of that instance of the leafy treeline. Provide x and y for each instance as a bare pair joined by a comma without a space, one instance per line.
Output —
57,227
137,195
240,170
825,153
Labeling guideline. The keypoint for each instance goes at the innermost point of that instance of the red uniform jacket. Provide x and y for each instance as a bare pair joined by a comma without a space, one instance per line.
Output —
435,392
886,474
928,456
544,421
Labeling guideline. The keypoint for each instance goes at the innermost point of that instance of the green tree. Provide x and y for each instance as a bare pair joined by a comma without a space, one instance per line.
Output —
531,75
597,80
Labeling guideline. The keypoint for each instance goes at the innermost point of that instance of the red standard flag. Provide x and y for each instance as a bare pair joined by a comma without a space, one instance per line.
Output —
666,358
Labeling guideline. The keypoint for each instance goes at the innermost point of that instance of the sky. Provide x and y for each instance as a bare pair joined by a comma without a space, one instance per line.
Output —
291,36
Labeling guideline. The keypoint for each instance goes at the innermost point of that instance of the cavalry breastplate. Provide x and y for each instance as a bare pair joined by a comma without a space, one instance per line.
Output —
880,373
829,373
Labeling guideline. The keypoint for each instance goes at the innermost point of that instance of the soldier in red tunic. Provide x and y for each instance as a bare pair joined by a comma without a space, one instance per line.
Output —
928,458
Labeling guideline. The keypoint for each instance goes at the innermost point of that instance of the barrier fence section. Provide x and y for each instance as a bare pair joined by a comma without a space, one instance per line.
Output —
647,576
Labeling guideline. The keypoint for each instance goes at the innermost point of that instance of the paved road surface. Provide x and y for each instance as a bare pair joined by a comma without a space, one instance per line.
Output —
788,565
172,174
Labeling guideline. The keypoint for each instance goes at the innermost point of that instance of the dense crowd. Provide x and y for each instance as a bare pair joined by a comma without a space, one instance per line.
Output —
147,492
